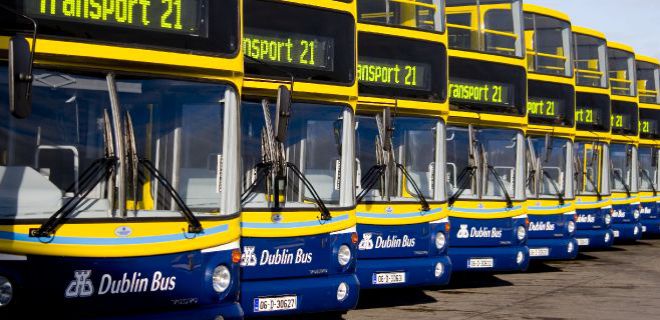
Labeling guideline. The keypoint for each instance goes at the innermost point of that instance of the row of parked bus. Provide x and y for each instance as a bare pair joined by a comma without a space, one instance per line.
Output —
222,159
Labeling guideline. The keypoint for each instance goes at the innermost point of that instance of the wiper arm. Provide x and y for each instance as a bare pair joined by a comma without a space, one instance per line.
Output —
420,196
500,183
462,182
325,213
617,175
264,170
194,226
560,194
99,170
648,177
370,179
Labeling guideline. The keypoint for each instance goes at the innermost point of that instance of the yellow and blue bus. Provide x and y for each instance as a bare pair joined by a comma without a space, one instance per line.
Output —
624,163
118,159
592,143
486,135
299,237
402,109
648,82
551,108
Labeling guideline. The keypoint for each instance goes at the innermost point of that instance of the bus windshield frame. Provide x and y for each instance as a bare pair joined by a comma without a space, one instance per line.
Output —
592,168
68,131
488,26
550,168
424,15
648,168
624,172
549,45
591,62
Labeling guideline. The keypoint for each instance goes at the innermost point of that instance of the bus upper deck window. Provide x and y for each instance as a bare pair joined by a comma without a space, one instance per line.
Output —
622,73
548,44
647,78
420,14
493,26
590,61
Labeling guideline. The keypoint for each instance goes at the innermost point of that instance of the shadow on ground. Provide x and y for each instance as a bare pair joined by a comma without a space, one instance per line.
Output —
384,298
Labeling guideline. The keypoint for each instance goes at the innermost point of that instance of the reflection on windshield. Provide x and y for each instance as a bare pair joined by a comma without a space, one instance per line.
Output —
622,174
414,146
588,162
313,144
420,14
547,175
495,157
648,168
178,126
487,26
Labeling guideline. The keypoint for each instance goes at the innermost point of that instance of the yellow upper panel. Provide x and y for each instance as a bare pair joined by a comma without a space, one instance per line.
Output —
647,59
589,32
620,46
531,8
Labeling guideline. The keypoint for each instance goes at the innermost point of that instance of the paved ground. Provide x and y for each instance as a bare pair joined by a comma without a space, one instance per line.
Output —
621,283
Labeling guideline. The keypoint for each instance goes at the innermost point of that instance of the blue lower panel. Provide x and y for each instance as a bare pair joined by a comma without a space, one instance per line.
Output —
553,249
503,258
650,227
315,294
627,231
595,239
419,272
228,311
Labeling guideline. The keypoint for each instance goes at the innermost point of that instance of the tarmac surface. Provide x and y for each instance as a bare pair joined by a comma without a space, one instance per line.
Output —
620,283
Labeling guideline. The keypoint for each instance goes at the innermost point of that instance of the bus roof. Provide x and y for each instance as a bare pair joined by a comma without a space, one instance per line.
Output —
620,46
589,32
546,12
647,59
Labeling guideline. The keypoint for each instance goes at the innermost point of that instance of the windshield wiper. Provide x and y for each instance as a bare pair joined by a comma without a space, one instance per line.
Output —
617,175
560,194
463,180
500,183
370,179
100,170
648,177
420,196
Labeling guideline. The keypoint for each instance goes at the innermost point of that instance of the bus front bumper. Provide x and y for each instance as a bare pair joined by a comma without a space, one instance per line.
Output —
417,272
553,249
489,259
595,239
627,231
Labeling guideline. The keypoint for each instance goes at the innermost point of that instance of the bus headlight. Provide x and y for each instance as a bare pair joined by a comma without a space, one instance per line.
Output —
520,257
221,279
636,230
440,240
608,219
344,255
570,247
6,291
636,214
521,233
571,227
342,291
607,237
439,269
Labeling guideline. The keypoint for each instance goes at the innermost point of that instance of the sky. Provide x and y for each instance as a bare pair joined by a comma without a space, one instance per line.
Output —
632,22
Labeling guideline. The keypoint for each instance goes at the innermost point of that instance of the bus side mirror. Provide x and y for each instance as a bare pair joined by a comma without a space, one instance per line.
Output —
20,77
282,113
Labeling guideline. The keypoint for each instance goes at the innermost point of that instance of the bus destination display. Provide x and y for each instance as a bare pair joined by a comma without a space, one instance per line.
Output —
621,121
648,126
545,108
289,49
173,16
497,94
394,73
587,115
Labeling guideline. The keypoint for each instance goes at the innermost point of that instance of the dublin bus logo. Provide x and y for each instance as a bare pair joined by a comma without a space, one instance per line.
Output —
81,286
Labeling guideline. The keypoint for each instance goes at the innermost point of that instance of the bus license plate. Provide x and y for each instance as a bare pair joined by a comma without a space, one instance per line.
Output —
539,252
616,233
388,278
583,242
643,228
275,303
480,263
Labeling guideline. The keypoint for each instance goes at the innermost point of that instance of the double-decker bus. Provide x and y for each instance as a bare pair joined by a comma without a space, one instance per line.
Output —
402,109
624,167
118,157
551,109
591,148
486,135
299,235
648,82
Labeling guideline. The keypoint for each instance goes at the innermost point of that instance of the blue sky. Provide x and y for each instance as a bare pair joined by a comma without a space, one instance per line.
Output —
633,22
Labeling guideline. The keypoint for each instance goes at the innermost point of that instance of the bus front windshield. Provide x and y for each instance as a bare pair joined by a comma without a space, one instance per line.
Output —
591,61
313,146
491,26
648,76
414,142
46,159
487,166
623,174
420,14
648,168
549,44
590,174
549,167
622,72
